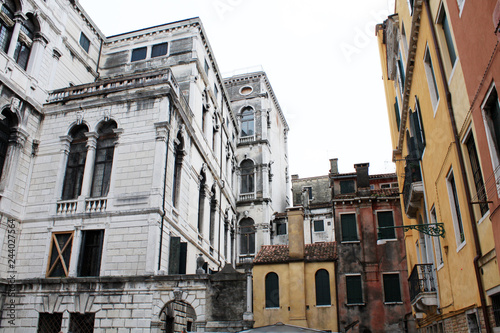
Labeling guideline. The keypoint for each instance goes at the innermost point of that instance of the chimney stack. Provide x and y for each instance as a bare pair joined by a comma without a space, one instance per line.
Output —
334,166
296,233
362,176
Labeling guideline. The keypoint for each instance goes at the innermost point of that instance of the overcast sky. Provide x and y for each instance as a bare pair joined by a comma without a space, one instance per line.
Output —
321,57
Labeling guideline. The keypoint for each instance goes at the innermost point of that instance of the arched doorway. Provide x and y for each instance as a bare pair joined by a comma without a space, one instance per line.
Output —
178,317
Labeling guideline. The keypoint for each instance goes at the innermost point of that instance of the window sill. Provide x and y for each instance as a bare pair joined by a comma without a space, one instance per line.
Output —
393,303
351,242
324,306
273,308
461,246
355,304
483,217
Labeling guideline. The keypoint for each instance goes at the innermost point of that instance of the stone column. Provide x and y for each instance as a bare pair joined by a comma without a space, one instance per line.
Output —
159,166
36,54
56,55
110,195
16,143
15,35
248,315
89,169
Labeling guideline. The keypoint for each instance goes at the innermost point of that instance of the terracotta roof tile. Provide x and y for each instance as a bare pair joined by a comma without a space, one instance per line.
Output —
269,254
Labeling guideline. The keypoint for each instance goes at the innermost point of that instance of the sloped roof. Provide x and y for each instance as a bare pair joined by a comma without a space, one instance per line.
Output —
273,254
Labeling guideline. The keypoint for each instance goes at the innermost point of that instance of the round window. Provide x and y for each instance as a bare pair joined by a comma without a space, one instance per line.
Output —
246,90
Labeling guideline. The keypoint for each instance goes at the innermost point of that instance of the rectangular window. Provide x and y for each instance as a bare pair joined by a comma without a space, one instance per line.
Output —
177,256
90,253
491,115
49,322
206,67
473,323
139,53
392,288
309,191
346,186
437,240
455,209
349,227
495,305
159,50
385,219
216,91
410,6
477,175
60,254
84,42
353,289
81,322
397,112
319,225
446,29
431,78
280,228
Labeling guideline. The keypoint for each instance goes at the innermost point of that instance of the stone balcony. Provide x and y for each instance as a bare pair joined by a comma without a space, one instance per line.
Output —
423,289
413,189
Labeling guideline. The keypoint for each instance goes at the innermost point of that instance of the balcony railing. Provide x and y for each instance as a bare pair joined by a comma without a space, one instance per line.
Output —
67,206
246,139
413,187
421,281
247,196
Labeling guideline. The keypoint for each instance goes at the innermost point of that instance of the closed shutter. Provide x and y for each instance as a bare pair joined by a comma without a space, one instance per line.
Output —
349,230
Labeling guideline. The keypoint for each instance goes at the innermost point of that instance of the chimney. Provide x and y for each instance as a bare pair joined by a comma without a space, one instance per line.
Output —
295,177
363,179
334,166
296,232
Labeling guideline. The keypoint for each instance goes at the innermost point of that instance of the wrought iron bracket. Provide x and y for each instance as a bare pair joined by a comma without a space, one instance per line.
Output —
431,229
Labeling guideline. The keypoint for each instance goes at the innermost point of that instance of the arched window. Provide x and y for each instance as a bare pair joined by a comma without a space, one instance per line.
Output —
6,24
6,125
178,157
272,291
73,179
104,159
247,236
213,210
247,122
247,176
24,42
323,287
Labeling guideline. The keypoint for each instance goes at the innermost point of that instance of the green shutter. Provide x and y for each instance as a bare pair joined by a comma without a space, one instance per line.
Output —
385,220
323,287
392,289
353,288
349,230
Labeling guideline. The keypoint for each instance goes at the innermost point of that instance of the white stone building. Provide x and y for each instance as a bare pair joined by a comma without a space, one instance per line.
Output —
123,181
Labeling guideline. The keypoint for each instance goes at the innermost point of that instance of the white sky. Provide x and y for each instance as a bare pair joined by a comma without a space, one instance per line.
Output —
321,57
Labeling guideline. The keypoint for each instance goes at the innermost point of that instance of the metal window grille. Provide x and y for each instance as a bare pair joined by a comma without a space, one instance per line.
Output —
49,322
81,323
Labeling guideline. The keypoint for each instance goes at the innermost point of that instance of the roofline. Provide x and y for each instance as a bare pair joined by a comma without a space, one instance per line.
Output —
247,76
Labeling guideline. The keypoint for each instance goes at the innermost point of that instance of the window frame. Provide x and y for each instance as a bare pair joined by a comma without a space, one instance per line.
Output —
389,286
348,181
443,21
247,122
60,256
438,253
456,213
140,56
247,237
431,79
270,299
491,136
322,225
84,42
351,277
355,221
247,177
386,231
95,266
159,46
322,288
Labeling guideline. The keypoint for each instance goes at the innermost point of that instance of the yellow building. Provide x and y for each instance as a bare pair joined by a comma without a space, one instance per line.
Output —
434,150
295,284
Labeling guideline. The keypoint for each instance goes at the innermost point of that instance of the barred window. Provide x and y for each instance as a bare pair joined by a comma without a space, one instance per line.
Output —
81,322
49,322
159,50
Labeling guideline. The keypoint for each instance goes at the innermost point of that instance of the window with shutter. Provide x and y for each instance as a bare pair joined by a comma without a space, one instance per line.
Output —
349,227
323,287
392,288
353,289
385,219
272,290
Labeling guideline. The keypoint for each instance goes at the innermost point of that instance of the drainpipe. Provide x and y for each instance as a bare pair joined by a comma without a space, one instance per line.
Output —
164,183
462,171
98,62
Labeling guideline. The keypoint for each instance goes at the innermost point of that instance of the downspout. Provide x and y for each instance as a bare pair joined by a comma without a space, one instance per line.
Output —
98,62
220,194
462,171
164,184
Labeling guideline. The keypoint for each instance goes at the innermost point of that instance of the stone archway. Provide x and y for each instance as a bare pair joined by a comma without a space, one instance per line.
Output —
177,317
